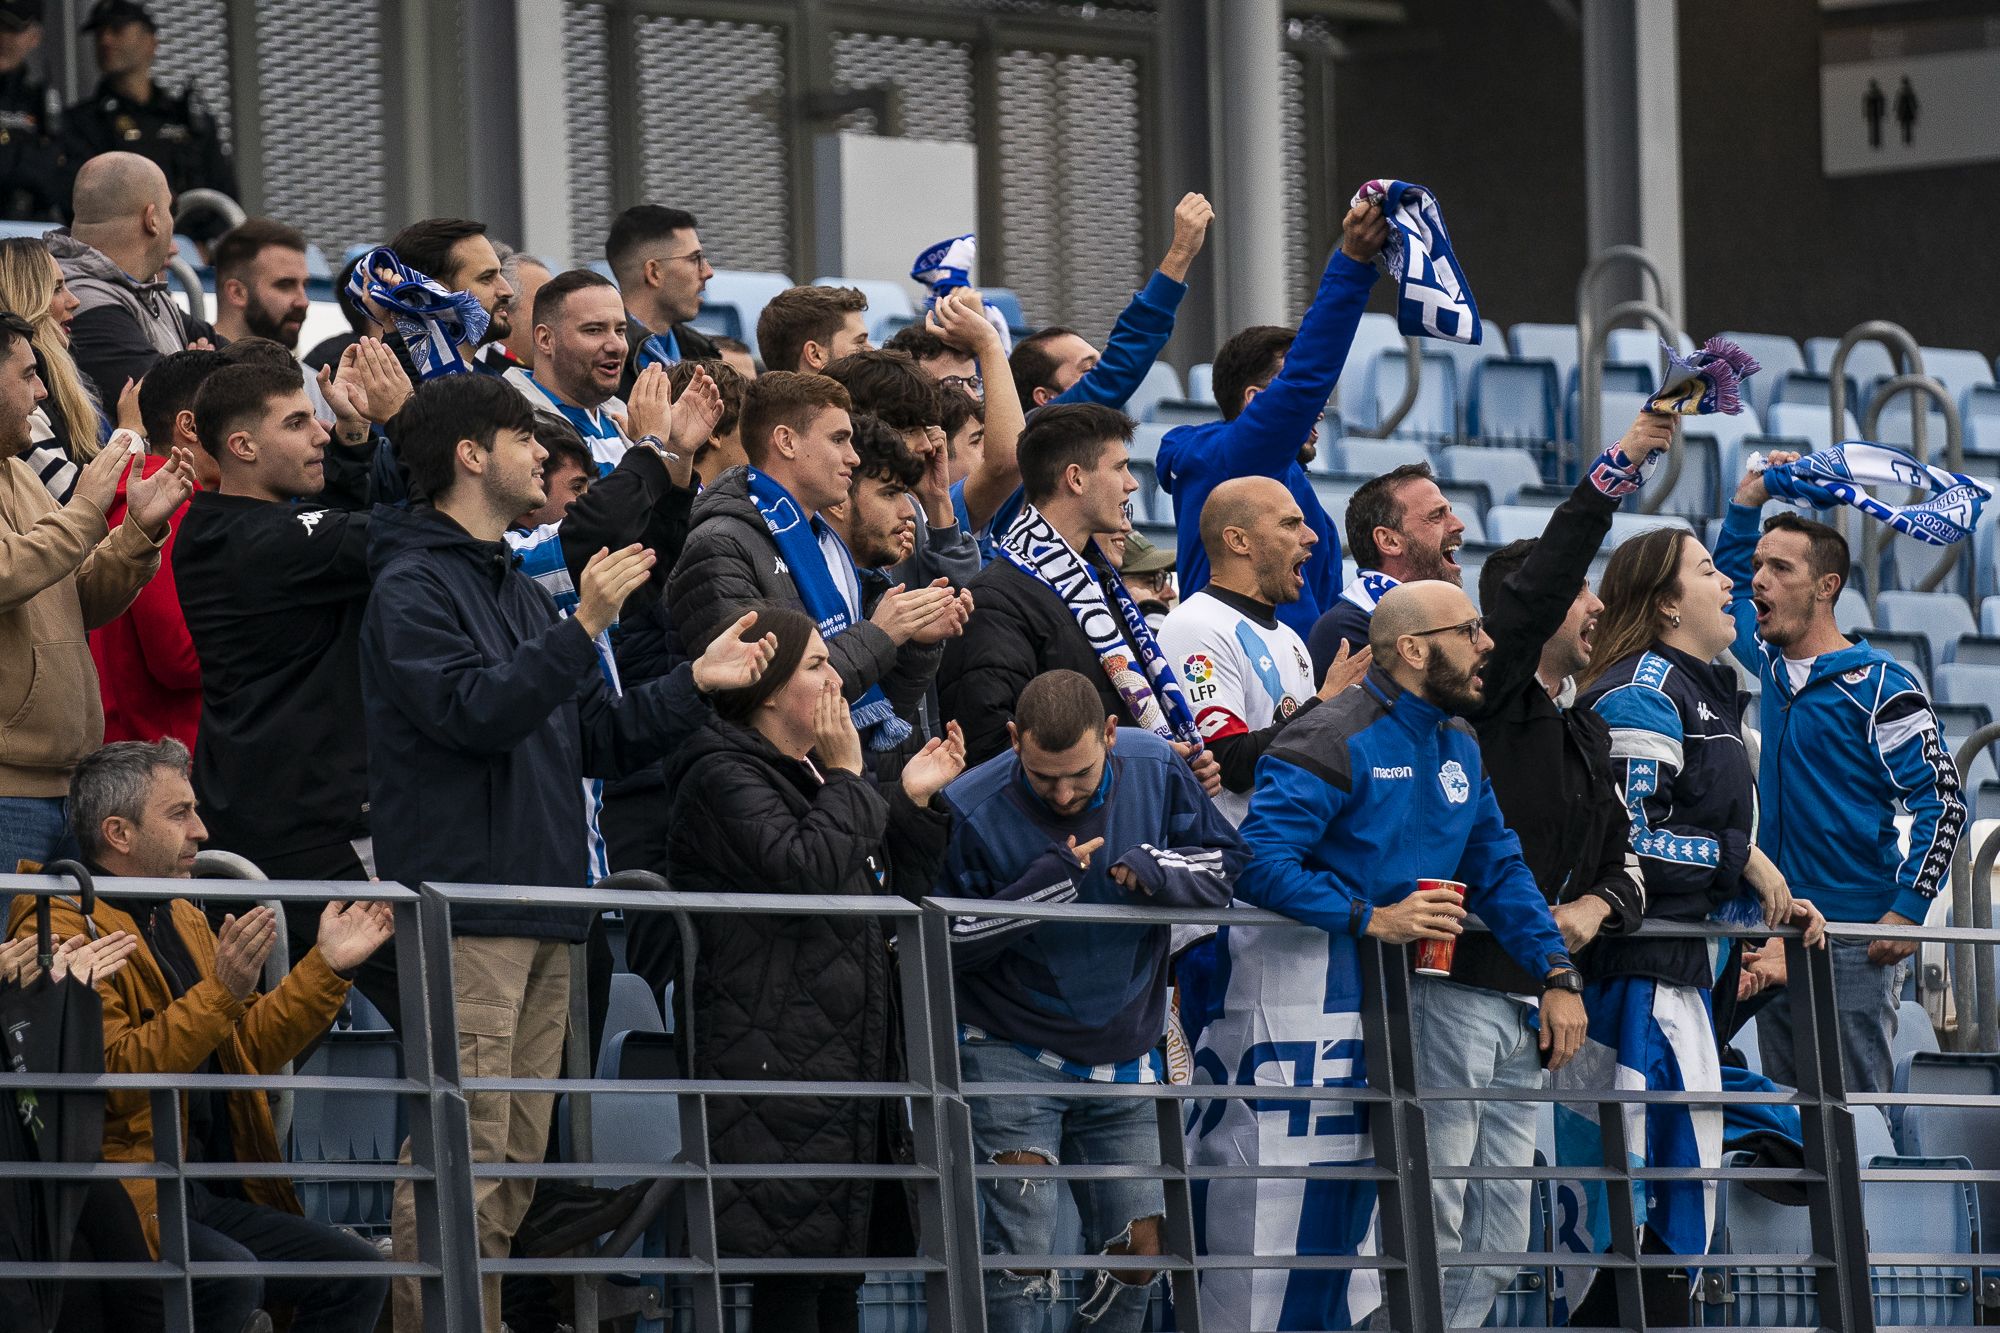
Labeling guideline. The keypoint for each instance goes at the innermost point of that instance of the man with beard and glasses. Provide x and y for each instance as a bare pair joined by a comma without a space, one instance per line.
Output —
260,283
1400,529
1356,802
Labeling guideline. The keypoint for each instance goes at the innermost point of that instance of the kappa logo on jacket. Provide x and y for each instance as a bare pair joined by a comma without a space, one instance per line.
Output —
1457,786
309,519
1701,711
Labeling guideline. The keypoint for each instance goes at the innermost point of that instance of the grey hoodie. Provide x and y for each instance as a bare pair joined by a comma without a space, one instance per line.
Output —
121,317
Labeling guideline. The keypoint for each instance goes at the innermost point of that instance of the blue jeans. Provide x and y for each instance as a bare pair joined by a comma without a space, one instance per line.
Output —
33,828
1467,1037
1021,1216
229,1230
1865,996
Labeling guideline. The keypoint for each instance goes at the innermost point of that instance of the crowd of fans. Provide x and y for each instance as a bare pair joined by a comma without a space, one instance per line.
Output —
853,622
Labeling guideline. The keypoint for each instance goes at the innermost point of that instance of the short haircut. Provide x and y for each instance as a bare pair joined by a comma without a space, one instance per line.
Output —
169,389
12,329
1033,365
357,320
251,350
890,385
114,783
724,343
240,245
426,246
444,411
1500,567
554,433
956,407
1375,506
512,261
801,315
1059,708
1065,433
555,293
794,630
785,398
920,343
1826,549
884,455
727,382
234,395
640,226
1251,358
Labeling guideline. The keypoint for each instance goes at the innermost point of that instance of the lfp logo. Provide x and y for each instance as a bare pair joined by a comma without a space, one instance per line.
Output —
1198,669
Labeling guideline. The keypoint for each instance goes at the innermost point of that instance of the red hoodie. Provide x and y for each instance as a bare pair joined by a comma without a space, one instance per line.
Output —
146,666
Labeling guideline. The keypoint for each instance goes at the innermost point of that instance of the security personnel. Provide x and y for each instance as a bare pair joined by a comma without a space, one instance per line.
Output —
32,174
129,112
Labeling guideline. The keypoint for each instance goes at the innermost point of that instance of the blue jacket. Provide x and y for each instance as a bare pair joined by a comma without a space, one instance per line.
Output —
1362,797
1093,993
1263,440
1838,756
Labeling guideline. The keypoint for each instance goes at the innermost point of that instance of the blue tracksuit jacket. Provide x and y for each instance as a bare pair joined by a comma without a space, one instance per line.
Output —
1838,756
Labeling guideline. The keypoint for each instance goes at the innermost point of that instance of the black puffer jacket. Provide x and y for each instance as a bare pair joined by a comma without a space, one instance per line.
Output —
802,997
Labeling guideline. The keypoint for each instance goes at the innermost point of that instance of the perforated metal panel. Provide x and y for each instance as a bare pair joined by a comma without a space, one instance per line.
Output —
722,155
586,93
194,47
1069,166
1301,266
329,182
935,76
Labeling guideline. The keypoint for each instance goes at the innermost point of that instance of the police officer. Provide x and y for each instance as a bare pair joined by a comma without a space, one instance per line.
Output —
31,162
129,112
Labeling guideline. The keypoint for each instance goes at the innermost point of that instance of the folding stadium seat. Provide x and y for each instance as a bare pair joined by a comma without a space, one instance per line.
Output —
1697,490
740,295
1469,500
1468,357
349,1127
1866,361
1985,553
1921,1216
1626,526
1542,497
1979,412
1939,616
1894,428
1512,400
1955,1072
1434,414
1957,723
1957,368
1809,421
1201,382
1640,347
1183,412
1146,441
1850,611
1910,647
1978,650
1552,342
1160,384
1872,1135
1776,354
1763,1295
1371,458
1504,471
1968,683
1334,493
1811,388
1512,523
1620,406
632,1008
886,301
1376,334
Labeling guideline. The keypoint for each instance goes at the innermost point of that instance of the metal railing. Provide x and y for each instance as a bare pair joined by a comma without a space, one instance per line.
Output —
1875,536
1972,971
1413,375
1593,336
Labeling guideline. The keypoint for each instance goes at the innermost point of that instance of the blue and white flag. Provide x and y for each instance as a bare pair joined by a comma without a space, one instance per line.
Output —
1643,1034
1280,1007
434,323
1829,477
1433,299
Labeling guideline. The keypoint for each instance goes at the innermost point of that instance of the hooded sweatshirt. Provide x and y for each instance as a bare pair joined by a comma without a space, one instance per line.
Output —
125,324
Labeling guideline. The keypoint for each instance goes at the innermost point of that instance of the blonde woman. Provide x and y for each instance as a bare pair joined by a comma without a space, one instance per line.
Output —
68,426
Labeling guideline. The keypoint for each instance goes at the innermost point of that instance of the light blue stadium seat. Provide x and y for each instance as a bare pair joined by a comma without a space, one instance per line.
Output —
1776,354
1183,412
1938,616
632,1008
1466,358
1513,400
1371,458
1355,392
1957,368
1914,1033
1505,471
1810,422
1967,683
1811,388
1696,492
1866,361
1850,611
1872,1135
1552,342
1625,526
1146,439
1334,493
1513,523
1910,647
1640,347
886,301
1434,414
1621,406
744,292
1764,1295
1979,650
1894,428
1149,503
1979,411
349,1127
1921,1216
1160,384
1469,500
1007,303
1201,382
1989,615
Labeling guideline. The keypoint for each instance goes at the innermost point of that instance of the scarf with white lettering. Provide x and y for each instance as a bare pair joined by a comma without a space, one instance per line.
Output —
1369,587
435,324
1433,299
1150,690
1835,476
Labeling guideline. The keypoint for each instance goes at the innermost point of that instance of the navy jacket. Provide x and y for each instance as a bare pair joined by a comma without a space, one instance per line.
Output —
486,710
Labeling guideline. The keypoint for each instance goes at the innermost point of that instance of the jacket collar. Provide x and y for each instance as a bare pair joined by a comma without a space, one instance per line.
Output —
1414,712
1717,678
1856,656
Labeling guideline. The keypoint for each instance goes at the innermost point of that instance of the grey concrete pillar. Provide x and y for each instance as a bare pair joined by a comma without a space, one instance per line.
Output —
1250,222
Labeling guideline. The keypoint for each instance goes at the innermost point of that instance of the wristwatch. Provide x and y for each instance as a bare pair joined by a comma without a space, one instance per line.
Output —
659,445
1564,978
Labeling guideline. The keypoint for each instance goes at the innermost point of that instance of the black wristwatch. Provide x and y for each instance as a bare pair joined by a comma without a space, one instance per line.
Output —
1564,978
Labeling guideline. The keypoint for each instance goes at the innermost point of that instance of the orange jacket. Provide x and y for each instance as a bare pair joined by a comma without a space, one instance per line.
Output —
148,1031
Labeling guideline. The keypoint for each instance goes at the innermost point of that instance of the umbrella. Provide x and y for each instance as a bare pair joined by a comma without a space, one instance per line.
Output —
47,1026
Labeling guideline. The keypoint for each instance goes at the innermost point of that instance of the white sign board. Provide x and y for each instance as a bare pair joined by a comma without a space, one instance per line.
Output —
936,188
1911,96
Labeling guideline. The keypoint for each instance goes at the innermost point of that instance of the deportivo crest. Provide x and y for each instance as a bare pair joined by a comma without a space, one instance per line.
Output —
1457,787
1198,668
1287,706
1856,676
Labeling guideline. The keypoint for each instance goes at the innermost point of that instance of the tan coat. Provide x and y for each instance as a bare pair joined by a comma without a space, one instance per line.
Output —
148,1031
61,575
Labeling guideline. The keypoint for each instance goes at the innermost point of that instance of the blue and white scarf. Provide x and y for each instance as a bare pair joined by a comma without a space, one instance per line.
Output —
1433,299
1151,691
1369,587
947,266
1835,476
435,324
797,535
1706,380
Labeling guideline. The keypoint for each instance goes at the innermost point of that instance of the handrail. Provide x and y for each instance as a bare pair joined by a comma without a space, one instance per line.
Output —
189,282
1987,1032
1875,536
228,865
1970,992
1413,374
1904,355
1590,389
200,198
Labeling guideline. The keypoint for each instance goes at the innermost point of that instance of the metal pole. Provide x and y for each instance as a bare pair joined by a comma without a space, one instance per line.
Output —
1908,359
1589,367
1413,361
1982,919
1874,537
1590,380
1967,986
1252,161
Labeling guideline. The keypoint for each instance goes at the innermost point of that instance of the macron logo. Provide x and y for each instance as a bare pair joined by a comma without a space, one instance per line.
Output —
1399,771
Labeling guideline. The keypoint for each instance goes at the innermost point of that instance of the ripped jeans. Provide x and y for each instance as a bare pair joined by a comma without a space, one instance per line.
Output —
1025,1216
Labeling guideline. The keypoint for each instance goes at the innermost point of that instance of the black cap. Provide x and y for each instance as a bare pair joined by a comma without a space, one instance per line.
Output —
16,15
110,13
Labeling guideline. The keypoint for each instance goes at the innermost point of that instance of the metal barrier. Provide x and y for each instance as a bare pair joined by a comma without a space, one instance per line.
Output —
1593,334
1905,356
1972,971
1413,375
1875,536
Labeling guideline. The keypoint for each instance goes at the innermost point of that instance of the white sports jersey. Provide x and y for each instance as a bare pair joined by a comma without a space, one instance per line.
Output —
1240,670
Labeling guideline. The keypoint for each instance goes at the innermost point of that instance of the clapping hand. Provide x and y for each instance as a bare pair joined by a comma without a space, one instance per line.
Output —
609,577
350,932
649,408
371,380
695,413
1347,670
151,501
932,768
731,662
241,947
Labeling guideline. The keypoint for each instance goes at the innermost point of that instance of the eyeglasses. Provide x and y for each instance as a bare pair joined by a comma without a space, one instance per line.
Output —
1470,629
974,385
698,257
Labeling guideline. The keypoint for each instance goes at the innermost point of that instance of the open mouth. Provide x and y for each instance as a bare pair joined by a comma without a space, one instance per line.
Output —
1450,550
1299,572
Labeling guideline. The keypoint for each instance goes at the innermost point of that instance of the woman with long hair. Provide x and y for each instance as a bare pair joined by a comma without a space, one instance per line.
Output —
770,798
66,430
1678,755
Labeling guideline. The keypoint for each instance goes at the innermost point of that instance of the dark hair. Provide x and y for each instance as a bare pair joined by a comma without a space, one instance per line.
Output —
250,350
1642,571
1375,506
169,389
1826,549
241,244
554,433
234,393
920,343
724,343
1032,365
444,411
956,407
1500,566
1062,434
554,294
883,454
727,382
799,315
358,321
115,782
785,398
794,629
426,246
1250,358
641,225
13,328
890,385
1059,708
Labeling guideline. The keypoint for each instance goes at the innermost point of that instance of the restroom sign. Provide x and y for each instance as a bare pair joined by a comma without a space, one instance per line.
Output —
1907,96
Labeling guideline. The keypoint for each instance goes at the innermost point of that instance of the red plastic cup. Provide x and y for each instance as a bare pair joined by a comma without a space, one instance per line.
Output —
1434,956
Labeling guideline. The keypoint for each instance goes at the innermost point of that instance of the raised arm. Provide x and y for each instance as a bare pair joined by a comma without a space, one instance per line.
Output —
1142,330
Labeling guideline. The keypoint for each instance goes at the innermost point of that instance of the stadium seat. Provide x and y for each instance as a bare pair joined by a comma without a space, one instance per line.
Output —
1763,1295
1183,412
1867,361
1160,384
1955,1072
1914,1033
1434,414
1334,493
1512,400
1989,615
1504,471
1146,441
1776,354
1809,421
1894,428
1921,1216
1910,647
1469,500
1376,334
1007,303
1872,1135
1468,357
1550,342
1812,389
1958,369
1697,490
1940,617
1371,458
1640,347
886,301
1512,523
1850,611
1626,526
741,294
632,1008
1978,650
1201,382
1149,503
1956,725
1968,683
1542,497
349,1127
1620,407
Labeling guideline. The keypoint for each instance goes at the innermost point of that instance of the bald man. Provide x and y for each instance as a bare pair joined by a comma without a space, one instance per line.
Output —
1246,672
1355,803
112,255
